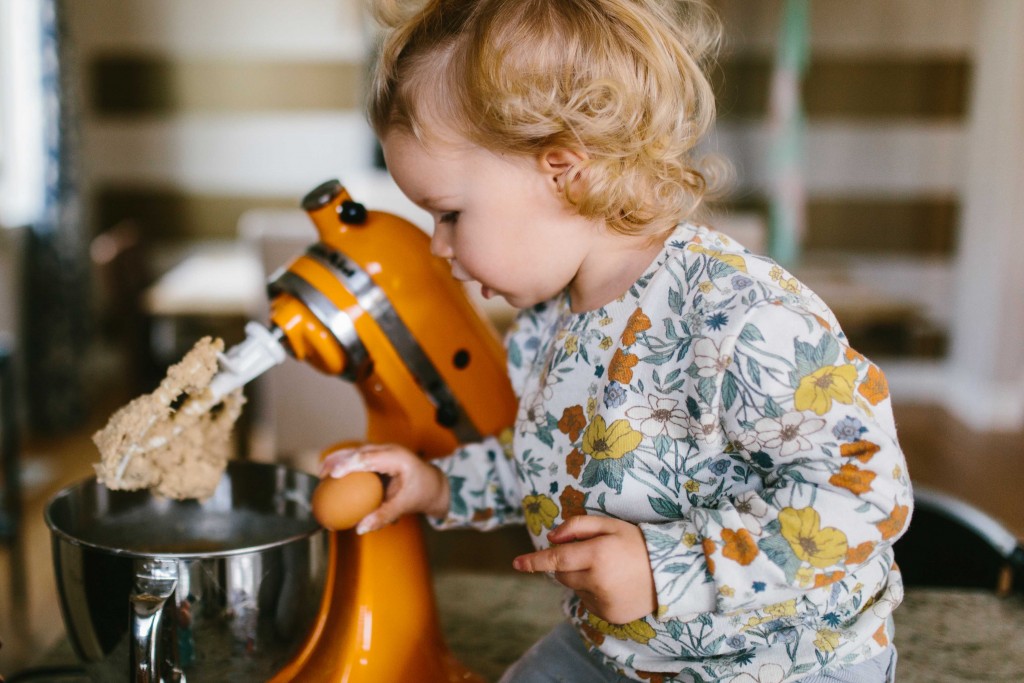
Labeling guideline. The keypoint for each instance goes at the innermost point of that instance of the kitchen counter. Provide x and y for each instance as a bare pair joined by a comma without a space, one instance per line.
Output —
943,636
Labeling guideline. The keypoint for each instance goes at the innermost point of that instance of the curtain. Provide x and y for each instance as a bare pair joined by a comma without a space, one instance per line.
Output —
55,321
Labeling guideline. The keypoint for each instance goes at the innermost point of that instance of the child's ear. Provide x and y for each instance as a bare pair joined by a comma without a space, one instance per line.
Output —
556,162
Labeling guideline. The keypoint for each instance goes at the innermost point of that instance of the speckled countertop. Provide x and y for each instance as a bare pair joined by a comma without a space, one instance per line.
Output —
942,636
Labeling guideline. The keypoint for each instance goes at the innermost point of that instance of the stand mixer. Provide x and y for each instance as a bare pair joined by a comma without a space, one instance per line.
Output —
368,303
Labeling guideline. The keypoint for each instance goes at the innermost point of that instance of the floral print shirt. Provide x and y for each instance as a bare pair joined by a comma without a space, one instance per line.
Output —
718,406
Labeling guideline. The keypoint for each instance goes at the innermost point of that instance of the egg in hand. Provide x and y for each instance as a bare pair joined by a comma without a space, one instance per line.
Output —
340,504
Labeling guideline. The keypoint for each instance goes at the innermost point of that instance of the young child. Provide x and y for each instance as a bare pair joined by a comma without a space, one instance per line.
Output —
699,455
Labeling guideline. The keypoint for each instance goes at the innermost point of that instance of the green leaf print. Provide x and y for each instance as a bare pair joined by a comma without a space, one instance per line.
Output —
661,541
545,437
692,408
730,389
662,444
805,359
827,351
754,370
666,508
772,409
778,550
676,301
692,271
750,334
610,471
515,356
762,460
717,269
458,503
707,387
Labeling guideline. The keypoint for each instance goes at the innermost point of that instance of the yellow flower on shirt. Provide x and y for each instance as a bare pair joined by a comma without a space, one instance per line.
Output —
602,442
540,512
639,630
817,390
734,260
827,640
819,547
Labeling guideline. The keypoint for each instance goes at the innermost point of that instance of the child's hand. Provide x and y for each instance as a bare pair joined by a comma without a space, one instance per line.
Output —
604,560
412,484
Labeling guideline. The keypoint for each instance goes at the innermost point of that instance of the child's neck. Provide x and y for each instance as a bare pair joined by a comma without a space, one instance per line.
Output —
611,268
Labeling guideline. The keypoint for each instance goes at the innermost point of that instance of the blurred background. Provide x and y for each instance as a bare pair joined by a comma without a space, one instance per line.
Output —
153,154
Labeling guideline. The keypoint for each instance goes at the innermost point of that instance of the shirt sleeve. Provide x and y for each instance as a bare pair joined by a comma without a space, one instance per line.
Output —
484,486
798,411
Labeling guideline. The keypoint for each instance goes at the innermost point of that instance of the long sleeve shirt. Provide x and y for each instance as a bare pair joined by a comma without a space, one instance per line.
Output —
718,406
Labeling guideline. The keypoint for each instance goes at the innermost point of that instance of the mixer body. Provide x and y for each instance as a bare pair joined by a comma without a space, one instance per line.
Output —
369,303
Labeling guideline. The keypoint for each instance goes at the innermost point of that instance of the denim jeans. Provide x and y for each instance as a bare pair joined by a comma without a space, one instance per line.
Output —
561,657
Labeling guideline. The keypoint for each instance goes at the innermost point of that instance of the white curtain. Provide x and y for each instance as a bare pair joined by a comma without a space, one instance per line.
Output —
22,133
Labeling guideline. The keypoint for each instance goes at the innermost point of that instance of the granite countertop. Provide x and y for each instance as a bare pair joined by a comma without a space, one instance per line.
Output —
943,636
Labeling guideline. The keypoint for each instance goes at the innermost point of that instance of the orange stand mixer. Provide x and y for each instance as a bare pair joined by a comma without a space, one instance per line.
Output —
369,303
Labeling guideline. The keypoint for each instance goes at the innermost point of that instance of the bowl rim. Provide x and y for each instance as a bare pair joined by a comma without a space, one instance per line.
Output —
59,533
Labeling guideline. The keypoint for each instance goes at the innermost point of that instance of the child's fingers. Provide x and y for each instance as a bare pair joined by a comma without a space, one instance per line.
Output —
339,463
583,527
573,557
383,459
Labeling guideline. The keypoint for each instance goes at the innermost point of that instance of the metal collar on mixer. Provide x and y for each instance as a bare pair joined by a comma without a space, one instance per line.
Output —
375,302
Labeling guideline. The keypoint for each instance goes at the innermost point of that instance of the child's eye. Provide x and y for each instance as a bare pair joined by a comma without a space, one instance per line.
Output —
449,217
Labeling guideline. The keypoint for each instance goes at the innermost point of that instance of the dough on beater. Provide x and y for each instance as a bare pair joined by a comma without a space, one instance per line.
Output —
174,440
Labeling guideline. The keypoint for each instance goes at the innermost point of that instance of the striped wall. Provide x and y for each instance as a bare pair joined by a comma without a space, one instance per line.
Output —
196,110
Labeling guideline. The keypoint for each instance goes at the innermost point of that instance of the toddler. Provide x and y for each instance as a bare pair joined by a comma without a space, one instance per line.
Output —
698,455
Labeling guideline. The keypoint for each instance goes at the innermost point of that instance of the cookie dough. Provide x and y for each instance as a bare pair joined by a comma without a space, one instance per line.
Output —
176,440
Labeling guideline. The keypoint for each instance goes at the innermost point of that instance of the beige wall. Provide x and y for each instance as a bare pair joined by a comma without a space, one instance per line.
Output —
195,111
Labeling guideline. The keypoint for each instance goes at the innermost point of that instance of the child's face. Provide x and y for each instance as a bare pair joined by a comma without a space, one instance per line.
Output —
500,219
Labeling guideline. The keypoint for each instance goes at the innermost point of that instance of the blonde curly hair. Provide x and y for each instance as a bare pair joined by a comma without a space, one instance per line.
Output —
622,81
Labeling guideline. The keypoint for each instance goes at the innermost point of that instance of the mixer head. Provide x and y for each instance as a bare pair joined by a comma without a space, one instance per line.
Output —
368,302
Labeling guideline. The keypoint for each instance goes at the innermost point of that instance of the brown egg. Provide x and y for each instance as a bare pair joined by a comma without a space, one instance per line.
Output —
339,504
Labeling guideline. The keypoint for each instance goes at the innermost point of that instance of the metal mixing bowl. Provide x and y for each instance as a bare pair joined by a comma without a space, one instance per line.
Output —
153,589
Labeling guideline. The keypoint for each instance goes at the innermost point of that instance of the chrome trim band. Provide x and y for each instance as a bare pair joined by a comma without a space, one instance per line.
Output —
374,301
335,320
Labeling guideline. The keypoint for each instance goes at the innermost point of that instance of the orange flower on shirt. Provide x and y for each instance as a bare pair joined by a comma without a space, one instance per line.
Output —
860,553
572,422
854,355
637,323
574,462
894,523
853,479
620,369
875,388
572,502
739,546
482,514
821,580
862,450
708,546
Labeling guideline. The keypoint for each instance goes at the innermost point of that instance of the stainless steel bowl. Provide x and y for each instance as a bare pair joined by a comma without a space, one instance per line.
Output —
160,590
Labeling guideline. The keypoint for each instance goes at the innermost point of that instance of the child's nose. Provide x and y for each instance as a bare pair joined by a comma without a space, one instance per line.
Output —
440,242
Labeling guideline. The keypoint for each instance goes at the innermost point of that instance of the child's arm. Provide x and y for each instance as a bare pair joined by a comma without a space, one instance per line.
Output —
474,486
